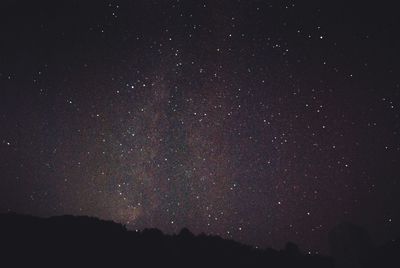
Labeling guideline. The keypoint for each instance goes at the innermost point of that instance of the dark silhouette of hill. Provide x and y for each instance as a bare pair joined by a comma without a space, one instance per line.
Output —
70,241
352,247
387,255
81,241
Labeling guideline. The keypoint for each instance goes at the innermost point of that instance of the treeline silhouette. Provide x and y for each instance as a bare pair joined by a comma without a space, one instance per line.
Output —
80,241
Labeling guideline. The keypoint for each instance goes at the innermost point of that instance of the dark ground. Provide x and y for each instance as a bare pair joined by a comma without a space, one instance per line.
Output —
82,241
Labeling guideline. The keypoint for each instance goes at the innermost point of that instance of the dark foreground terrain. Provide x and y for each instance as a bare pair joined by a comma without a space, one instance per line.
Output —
89,242
69,241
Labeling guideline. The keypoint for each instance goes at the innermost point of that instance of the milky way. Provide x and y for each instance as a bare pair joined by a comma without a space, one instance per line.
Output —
260,121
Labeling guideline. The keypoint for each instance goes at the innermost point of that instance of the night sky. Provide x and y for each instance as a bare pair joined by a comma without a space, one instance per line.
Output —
260,121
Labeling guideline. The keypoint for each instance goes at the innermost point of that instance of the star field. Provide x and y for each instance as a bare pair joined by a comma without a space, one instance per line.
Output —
260,121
